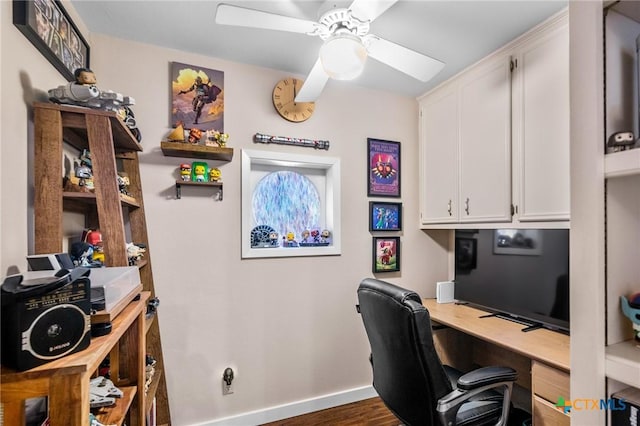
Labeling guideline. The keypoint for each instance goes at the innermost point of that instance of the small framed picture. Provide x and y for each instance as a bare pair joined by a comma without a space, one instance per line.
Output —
385,216
386,254
383,168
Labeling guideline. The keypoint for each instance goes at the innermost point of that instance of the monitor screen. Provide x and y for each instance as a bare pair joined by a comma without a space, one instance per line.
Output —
522,274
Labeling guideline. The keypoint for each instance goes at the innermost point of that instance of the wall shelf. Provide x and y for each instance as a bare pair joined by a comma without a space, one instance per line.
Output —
187,150
622,362
623,163
179,184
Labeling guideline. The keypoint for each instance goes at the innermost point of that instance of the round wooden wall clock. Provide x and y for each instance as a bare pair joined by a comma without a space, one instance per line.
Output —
284,94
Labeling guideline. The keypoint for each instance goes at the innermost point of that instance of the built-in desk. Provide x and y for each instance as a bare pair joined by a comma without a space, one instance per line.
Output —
540,356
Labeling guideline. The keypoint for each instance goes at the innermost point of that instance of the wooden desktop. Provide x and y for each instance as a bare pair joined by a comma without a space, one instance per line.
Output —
540,356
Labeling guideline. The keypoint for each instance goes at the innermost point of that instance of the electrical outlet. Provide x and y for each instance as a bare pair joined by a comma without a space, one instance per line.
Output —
227,389
227,381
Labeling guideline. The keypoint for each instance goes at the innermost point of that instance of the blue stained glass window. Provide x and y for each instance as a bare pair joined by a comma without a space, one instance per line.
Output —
288,202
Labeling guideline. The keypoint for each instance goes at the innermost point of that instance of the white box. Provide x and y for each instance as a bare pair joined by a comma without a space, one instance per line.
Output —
444,291
113,283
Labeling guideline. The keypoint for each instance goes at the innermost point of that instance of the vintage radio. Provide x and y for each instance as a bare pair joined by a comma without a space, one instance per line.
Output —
45,316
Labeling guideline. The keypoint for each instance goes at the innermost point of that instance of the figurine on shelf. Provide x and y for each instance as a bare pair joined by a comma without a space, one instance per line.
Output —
81,254
94,238
84,92
185,172
215,175
194,136
177,134
123,183
83,173
631,309
199,171
135,252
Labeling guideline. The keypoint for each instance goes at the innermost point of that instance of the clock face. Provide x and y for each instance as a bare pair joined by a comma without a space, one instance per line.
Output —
284,95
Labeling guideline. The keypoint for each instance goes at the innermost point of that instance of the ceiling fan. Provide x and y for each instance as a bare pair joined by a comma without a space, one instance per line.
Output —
347,42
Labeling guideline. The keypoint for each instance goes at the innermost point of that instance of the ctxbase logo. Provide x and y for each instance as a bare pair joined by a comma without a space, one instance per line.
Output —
566,406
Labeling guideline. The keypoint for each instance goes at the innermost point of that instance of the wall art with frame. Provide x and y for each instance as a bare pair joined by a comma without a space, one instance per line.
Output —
197,97
50,29
386,254
383,168
384,216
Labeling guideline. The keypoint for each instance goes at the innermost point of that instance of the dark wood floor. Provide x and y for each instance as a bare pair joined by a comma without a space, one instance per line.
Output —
370,412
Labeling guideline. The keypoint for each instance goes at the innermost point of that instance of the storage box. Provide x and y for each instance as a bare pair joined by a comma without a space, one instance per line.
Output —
629,402
113,284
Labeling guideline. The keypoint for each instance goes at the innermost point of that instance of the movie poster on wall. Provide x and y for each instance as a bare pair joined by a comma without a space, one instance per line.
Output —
383,168
197,95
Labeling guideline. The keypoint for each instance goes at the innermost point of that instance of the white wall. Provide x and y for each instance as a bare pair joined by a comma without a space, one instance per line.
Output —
288,325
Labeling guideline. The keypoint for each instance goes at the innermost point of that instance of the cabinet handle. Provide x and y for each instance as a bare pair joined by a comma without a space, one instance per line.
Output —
449,208
466,206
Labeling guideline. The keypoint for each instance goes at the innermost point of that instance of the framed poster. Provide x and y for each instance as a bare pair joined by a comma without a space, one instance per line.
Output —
383,168
50,29
197,97
386,254
385,216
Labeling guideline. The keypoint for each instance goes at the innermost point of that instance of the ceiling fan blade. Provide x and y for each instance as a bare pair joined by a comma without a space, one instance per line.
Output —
313,85
368,10
417,65
228,14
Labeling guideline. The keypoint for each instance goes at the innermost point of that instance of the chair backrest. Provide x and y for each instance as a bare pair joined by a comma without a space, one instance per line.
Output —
407,372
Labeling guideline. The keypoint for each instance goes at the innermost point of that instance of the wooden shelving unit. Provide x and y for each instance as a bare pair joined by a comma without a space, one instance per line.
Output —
113,148
66,380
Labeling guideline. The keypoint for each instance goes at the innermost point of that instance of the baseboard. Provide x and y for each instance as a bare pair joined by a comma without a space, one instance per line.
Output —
293,409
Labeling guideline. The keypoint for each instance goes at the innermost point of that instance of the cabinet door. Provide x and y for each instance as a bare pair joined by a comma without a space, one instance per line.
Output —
485,143
541,127
439,157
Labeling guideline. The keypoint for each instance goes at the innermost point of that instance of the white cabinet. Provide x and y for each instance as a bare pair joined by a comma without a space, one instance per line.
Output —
505,162
541,126
439,157
485,143
465,148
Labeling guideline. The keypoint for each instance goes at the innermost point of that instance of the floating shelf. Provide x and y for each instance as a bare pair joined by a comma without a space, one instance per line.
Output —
622,362
187,150
623,163
180,183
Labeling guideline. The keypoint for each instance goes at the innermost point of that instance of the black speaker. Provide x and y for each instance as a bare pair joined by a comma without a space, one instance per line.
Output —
44,317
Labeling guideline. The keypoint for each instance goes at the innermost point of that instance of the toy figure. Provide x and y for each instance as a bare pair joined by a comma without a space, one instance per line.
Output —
199,171
84,92
135,252
123,183
305,236
324,236
84,76
315,234
185,172
194,135
273,239
83,172
81,254
215,175
631,309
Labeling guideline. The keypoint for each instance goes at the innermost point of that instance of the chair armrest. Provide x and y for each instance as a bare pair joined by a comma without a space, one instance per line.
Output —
473,383
486,376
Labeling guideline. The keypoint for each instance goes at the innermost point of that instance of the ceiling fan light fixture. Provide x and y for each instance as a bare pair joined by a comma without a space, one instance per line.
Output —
343,56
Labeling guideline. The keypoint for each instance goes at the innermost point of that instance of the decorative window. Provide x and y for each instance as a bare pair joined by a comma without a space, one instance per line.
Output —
290,205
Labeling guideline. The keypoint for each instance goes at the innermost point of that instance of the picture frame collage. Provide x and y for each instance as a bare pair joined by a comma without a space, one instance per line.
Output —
383,180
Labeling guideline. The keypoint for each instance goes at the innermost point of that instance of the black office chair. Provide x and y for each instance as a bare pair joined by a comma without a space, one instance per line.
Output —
408,374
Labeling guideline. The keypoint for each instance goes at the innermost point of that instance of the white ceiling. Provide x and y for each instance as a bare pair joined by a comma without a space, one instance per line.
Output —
456,32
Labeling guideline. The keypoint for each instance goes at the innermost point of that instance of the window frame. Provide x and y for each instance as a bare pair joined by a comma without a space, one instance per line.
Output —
330,166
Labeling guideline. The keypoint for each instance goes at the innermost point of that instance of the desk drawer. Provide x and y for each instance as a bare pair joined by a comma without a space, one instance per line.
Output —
548,382
546,414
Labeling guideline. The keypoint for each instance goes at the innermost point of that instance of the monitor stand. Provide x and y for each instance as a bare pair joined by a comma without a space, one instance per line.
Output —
530,325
